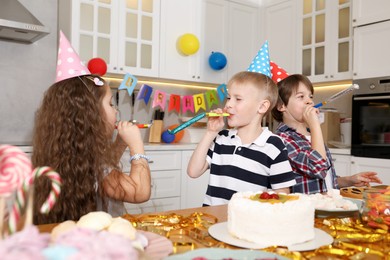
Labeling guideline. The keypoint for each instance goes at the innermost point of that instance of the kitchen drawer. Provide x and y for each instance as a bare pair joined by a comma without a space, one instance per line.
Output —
164,160
160,160
154,205
165,184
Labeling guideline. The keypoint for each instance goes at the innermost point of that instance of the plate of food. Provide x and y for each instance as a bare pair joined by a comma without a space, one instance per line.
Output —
222,253
220,232
333,204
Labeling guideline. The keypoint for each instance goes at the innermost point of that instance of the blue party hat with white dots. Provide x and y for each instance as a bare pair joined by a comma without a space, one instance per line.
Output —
261,63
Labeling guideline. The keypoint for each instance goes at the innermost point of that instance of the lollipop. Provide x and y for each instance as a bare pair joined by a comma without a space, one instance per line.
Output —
15,166
21,196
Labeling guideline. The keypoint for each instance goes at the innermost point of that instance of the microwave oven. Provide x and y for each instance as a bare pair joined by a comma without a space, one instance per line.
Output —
371,118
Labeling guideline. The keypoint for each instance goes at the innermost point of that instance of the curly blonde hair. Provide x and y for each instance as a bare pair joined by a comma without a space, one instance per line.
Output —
72,137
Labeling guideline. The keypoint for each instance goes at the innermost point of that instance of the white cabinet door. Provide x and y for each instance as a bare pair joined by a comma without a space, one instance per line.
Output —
243,37
381,166
365,12
371,51
220,25
192,190
179,17
123,33
342,164
215,16
325,44
276,15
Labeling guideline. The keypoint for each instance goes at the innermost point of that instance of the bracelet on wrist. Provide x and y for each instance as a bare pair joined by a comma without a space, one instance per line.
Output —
138,156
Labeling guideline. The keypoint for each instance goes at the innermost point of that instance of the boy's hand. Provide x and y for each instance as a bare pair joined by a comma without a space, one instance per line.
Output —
215,124
310,116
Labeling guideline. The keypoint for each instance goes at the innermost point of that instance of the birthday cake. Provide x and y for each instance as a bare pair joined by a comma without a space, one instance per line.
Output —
271,219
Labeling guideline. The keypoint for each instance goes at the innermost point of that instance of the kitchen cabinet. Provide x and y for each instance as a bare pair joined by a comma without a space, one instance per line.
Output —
193,190
366,12
381,166
166,180
342,164
218,25
371,50
123,33
280,23
324,40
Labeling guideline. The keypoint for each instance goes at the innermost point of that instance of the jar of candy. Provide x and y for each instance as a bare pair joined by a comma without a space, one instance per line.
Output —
376,208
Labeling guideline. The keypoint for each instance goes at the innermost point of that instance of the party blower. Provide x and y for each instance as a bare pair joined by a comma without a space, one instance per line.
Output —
195,119
337,95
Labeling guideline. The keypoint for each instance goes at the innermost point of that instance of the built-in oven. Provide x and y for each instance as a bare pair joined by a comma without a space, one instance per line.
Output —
371,118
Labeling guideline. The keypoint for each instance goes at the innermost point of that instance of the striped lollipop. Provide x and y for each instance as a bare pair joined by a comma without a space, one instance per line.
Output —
15,166
22,196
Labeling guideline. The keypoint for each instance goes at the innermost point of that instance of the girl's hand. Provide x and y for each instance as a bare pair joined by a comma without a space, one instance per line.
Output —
215,124
129,133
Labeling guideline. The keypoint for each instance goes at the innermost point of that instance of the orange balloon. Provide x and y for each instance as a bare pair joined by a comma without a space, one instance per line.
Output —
179,135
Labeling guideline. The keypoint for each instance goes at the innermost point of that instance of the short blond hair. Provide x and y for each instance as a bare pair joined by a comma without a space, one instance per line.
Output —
262,82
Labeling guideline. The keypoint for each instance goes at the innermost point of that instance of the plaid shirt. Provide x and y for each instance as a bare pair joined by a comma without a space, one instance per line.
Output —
308,165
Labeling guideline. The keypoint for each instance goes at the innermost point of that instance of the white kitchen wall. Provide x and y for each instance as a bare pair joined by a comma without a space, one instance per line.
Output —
26,71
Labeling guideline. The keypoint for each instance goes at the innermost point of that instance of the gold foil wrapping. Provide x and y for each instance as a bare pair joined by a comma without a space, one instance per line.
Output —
352,239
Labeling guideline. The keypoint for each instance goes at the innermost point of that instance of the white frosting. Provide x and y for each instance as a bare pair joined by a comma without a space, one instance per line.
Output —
269,224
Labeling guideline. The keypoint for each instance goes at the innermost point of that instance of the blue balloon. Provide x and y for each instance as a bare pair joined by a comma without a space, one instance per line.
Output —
217,60
167,137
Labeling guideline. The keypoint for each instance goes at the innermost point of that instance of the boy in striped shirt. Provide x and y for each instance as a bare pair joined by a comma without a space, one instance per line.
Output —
245,157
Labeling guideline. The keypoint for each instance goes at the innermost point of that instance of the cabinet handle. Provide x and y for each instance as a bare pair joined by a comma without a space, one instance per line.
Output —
198,77
193,76
331,76
114,68
355,74
352,162
326,77
150,161
354,20
121,68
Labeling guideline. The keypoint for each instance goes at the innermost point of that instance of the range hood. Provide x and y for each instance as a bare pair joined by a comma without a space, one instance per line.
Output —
18,24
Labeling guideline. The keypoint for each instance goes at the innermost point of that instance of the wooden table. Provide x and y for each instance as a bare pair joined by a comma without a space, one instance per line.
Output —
220,212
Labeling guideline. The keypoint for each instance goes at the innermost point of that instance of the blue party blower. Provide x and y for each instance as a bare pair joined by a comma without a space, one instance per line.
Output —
337,95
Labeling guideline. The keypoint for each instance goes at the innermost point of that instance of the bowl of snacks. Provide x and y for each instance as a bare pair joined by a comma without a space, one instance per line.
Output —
376,208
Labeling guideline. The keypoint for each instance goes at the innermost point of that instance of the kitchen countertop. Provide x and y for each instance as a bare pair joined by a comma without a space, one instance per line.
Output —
345,151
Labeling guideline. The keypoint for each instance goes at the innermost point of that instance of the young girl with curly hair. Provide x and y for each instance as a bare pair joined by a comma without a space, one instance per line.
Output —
73,134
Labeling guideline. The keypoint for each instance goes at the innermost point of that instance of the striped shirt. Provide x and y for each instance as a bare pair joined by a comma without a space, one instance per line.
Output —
255,167
308,165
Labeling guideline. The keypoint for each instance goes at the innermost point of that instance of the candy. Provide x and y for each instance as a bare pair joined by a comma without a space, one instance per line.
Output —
56,183
21,195
15,166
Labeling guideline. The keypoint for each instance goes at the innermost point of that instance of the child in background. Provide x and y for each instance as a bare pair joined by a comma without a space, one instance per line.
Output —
301,131
73,134
247,157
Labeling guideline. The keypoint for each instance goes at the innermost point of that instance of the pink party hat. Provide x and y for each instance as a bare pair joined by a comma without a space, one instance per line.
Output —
277,72
260,63
69,64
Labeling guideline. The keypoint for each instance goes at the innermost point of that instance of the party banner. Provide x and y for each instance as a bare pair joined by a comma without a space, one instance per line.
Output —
159,99
129,82
144,93
199,102
174,103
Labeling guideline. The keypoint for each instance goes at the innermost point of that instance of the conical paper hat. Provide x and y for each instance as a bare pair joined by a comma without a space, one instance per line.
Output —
277,72
69,64
260,63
